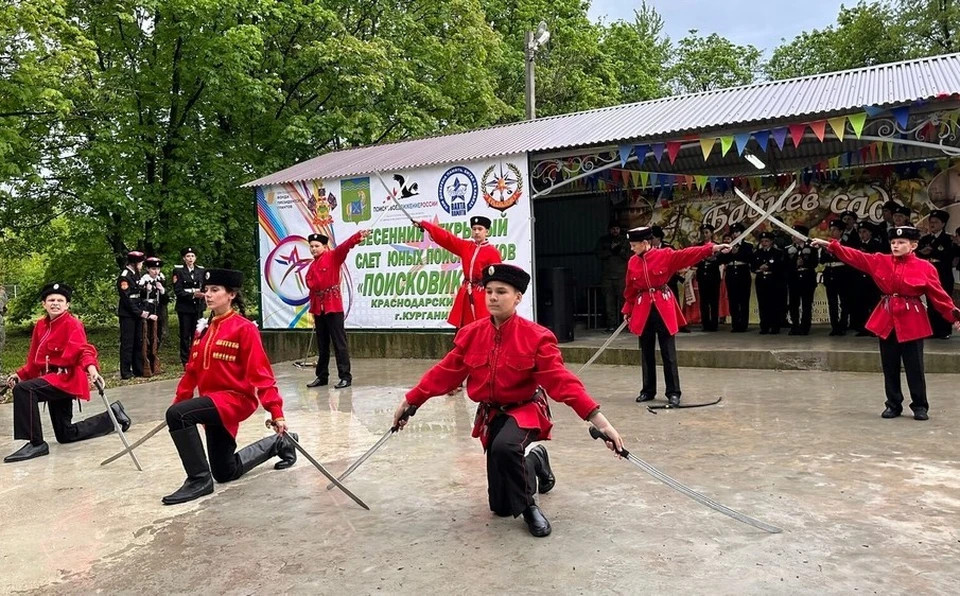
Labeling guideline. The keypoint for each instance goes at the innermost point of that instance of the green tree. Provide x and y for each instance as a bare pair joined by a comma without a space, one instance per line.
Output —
713,62
931,27
638,53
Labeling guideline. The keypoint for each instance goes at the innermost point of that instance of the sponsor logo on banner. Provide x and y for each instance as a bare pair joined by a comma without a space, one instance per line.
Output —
502,186
355,193
319,204
458,190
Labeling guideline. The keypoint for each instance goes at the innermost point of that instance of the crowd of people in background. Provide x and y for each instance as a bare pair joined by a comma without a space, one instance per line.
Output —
784,271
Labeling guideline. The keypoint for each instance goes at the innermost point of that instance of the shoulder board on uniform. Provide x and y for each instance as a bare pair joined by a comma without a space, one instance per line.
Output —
178,267
124,273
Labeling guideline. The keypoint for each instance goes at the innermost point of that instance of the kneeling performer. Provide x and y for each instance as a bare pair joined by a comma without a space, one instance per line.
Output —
231,372
509,363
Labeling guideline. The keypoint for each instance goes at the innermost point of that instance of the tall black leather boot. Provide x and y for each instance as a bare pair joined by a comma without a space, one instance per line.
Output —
545,478
199,482
257,453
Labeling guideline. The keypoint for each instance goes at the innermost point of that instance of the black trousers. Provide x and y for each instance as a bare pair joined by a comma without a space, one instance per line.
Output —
511,475
709,302
221,446
655,330
771,296
131,337
27,396
892,353
834,283
613,298
941,327
188,326
738,282
328,327
800,299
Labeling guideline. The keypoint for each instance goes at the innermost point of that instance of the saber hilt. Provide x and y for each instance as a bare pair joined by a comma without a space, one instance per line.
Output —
407,414
596,433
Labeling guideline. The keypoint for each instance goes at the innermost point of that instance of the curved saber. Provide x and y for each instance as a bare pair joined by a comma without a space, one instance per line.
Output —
386,436
775,221
605,345
686,490
116,425
136,444
392,196
320,467
766,214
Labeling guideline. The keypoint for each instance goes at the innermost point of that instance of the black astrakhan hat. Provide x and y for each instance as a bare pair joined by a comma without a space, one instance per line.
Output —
187,250
152,262
707,227
940,214
656,232
640,234
134,256
56,288
228,278
508,274
318,238
903,210
905,232
805,230
479,220
737,228
867,225
852,214
765,236
836,223
890,206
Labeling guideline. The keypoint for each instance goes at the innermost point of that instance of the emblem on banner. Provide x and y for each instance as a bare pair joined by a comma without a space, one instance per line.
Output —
502,187
458,190
319,205
356,199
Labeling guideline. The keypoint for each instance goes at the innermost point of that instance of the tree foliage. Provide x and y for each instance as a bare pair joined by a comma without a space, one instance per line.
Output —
712,62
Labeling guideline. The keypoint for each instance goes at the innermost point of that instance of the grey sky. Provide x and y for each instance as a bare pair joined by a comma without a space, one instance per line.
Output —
761,23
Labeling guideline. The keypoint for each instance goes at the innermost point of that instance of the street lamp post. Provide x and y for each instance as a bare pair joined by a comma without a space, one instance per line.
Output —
531,43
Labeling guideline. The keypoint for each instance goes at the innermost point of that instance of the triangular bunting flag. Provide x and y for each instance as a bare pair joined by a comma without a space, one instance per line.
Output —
838,126
725,144
641,152
819,128
873,151
625,174
741,139
835,163
706,145
673,148
644,179
889,145
635,178
658,151
780,137
701,182
873,111
857,121
625,151
763,139
901,115
796,133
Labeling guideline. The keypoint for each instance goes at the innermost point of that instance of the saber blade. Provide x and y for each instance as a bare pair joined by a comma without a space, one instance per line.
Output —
775,221
136,444
766,214
386,436
605,345
324,471
394,197
116,426
686,490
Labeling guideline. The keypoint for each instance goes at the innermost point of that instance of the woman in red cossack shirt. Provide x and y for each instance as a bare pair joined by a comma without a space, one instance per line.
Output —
230,370
59,369
508,363
900,319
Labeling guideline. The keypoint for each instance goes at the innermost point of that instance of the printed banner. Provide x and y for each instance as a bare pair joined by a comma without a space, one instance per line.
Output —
398,278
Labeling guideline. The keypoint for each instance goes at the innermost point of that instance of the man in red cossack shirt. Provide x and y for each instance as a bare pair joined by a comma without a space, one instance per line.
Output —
231,373
326,306
509,363
900,318
59,369
475,255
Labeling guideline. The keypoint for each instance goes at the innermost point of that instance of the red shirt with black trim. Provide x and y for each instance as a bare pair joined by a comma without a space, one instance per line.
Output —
323,278
59,354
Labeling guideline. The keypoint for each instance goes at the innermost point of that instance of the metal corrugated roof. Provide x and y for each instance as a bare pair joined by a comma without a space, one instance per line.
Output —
670,117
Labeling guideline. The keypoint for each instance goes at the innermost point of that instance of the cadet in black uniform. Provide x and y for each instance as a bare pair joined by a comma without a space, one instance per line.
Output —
836,276
613,250
771,286
801,265
887,225
151,293
738,279
901,216
708,281
130,313
937,248
851,235
187,284
865,293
